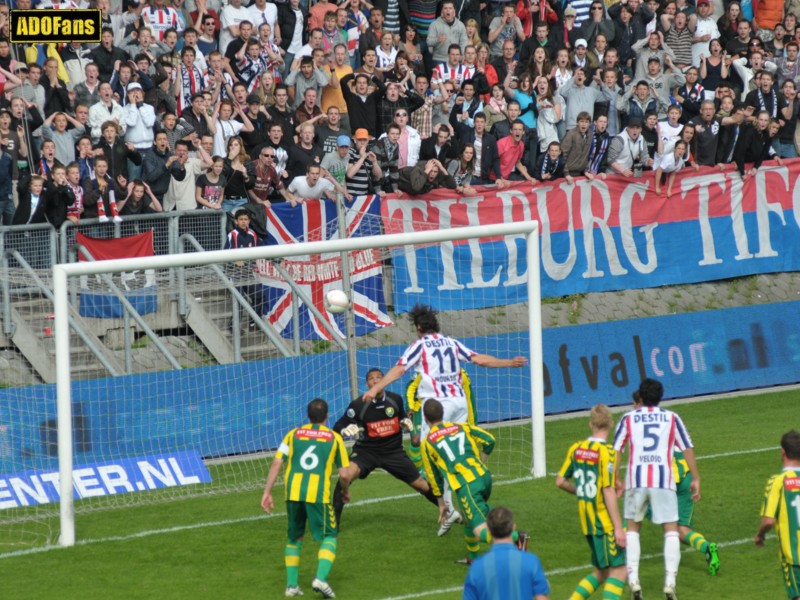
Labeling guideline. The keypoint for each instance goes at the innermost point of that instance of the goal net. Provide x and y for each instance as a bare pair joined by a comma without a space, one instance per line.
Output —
206,387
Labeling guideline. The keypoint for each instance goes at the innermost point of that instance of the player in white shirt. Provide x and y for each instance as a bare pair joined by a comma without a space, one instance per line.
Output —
652,435
437,359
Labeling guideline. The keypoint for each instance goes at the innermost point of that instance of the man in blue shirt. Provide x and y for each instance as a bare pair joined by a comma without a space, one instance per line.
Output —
505,572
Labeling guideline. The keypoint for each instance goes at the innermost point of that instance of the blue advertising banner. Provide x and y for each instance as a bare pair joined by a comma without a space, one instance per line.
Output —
105,479
599,235
236,409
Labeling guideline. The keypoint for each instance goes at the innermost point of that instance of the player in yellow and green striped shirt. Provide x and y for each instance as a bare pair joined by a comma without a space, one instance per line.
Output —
456,452
591,464
311,452
781,509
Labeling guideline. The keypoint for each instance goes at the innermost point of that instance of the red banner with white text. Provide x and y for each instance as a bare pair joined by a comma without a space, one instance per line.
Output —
601,235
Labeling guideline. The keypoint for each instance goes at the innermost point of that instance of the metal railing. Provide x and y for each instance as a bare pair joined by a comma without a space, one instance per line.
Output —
131,312
28,253
208,227
45,290
187,240
37,248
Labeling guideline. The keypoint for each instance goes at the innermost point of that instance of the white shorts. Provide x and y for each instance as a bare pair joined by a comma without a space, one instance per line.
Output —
663,505
455,411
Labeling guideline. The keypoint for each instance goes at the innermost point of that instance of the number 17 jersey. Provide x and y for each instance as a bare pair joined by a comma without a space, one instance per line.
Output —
437,358
652,434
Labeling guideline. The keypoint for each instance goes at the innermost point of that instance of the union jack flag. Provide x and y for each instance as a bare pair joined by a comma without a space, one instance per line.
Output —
318,274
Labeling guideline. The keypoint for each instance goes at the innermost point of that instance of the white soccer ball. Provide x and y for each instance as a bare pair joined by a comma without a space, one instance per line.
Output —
336,301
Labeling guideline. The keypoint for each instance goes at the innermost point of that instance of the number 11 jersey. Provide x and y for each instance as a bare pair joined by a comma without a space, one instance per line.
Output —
437,358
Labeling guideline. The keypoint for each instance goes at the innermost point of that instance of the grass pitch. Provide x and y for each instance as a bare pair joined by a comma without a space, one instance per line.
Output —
224,546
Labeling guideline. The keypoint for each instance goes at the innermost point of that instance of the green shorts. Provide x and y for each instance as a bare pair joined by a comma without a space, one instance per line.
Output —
685,503
473,500
791,579
605,553
320,517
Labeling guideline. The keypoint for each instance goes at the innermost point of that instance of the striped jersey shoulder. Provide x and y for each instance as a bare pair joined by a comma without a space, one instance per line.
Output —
443,430
594,451
771,481
310,432
791,480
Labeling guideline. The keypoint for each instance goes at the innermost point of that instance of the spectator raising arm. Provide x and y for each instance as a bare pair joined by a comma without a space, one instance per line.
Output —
205,158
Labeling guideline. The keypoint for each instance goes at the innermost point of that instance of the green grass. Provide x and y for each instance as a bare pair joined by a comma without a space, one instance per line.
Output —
223,546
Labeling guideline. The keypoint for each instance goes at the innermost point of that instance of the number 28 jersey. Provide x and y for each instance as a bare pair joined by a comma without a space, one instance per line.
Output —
591,463
437,358
653,434
311,451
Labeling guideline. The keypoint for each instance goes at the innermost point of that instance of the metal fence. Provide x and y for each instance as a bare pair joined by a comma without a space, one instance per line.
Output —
208,227
30,251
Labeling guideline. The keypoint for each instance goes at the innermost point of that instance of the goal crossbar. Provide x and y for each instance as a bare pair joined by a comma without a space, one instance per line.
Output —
61,273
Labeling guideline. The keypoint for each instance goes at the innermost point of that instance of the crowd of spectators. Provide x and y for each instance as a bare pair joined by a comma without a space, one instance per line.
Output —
201,104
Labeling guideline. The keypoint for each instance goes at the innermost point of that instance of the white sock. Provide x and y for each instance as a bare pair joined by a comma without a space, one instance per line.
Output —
633,552
447,495
672,556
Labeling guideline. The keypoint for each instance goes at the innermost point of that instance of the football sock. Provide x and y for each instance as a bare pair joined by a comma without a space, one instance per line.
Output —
697,541
633,552
338,503
291,557
514,536
585,588
447,494
612,590
415,454
326,556
431,498
672,556
472,543
485,536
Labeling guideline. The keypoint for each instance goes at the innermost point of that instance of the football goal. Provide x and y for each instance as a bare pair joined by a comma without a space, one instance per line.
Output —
183,430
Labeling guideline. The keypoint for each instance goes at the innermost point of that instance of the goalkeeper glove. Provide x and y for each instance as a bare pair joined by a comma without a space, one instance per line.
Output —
350,431
406,424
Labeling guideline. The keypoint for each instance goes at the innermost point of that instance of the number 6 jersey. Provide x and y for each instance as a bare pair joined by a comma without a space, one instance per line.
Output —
311,451
653,435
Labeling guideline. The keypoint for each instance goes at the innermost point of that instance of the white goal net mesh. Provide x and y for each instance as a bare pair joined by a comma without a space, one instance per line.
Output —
212,364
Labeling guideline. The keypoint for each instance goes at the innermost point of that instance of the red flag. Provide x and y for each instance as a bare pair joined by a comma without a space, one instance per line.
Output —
96,301
124,247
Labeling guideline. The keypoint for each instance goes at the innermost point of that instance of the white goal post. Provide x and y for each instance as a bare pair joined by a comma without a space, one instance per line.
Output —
62,273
